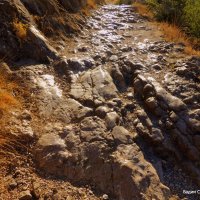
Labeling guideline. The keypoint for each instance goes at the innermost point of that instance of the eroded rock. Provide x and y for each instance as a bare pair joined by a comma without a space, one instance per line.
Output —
121,135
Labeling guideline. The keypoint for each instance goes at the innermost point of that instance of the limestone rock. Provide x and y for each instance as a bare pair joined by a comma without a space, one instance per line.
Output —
136,174
121,135
76,65
101,111
92,129
156,135
138,86
25,195
148,91
94,83
151,103
112,119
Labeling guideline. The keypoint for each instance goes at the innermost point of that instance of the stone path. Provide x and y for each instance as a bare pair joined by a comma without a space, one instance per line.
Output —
119,111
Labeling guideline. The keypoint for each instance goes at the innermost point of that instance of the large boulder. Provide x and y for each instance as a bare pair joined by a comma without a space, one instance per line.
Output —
95,84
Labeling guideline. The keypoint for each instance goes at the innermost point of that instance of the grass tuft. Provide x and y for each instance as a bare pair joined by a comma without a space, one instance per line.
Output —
143,10
91,4
7,99
20,29
173,33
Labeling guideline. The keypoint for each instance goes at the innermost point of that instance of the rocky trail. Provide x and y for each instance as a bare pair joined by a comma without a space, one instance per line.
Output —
117,116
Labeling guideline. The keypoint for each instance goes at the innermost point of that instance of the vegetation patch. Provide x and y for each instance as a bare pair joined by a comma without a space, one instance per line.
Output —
20,29
143,10
175,34
178,19
183,13
91,4
7,99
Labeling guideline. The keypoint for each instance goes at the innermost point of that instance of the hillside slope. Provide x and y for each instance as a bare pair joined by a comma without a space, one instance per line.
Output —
25,24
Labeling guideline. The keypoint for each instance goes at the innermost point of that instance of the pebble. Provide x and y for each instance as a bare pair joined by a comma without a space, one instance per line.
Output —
25,195
105,197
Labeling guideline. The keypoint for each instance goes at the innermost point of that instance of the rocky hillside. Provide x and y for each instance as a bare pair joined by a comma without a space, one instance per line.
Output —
99,106
25,25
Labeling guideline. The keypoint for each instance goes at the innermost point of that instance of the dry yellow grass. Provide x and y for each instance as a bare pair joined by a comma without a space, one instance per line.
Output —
7,100
143,10
91,4
173,33
9,144
20,29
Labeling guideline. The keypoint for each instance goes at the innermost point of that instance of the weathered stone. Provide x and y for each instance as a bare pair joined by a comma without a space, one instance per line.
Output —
26,115
75,65
181,71
169,124
121,135
36,189
173,116
157,67
113,58
101,111
130,95
159,112
144,119
144,132
12,184
105,197
134,66
118,78
25,195
61,67
50,140
89,63
181,125
194,124
172,102
93,129
129,160
185,146
151,103
148,91
138,86
156,135
112,119
96,82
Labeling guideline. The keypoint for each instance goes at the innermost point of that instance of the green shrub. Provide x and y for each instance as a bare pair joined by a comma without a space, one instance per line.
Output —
192,17
167,10
184,13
